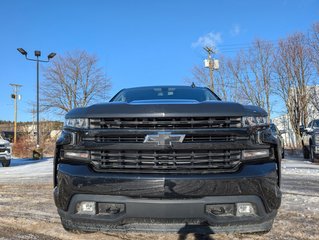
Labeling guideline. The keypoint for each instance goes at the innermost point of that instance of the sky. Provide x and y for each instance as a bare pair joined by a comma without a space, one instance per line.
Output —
137,42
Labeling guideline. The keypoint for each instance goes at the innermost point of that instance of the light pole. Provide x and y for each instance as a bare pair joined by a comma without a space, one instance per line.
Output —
37,53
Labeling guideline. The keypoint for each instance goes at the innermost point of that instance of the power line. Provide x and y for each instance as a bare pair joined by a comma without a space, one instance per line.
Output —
231,45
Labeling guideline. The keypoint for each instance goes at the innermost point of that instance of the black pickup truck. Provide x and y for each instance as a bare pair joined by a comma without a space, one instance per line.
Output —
167,158
310,140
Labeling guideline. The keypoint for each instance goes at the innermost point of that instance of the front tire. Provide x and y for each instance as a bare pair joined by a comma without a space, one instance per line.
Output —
313,157
305,152
6,163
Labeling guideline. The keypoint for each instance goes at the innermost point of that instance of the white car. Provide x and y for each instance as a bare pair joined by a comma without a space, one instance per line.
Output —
5,152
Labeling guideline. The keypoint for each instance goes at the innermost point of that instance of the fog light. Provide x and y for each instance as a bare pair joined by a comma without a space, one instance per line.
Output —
110,208
245,209
221,209
86,208
253,154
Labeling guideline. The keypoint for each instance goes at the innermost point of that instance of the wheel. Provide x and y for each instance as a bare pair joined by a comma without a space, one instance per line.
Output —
305,152
311,154
313,157
6,163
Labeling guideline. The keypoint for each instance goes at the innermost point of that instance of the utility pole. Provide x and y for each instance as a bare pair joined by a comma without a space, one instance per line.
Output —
212,64
16,97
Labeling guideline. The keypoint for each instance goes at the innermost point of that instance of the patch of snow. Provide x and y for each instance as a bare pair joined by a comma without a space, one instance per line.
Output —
22,170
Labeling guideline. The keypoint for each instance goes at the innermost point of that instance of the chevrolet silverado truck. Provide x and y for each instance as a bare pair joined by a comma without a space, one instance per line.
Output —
5,152
167,158
310,141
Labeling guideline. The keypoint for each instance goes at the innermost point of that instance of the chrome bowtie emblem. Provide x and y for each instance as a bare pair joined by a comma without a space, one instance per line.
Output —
164,138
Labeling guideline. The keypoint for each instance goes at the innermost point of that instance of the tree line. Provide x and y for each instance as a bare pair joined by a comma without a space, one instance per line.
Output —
288,69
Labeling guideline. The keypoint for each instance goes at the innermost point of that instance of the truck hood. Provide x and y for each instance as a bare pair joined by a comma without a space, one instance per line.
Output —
2,142
169,108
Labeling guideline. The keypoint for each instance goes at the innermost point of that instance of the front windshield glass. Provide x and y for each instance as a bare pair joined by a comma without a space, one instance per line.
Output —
164,93
316,124
273,128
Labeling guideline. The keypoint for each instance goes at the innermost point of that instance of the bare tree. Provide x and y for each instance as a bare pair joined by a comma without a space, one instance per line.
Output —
314,45
313,42
251,70
293,70
224,83
73,80
250,90
260,61
245,78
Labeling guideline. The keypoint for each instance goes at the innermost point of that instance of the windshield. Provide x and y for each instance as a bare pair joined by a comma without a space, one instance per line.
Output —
164,93
316,124
273,128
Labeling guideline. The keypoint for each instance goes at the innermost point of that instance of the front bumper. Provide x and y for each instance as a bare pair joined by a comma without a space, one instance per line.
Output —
316,150
168,201
5,156
168,215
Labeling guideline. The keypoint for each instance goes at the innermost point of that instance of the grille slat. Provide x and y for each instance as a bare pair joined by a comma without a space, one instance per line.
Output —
166,123
189,138
166,160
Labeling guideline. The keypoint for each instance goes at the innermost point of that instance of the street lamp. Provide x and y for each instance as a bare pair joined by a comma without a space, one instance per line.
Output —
37,53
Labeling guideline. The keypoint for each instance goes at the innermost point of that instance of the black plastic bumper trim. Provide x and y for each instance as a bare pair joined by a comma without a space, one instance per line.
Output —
171,215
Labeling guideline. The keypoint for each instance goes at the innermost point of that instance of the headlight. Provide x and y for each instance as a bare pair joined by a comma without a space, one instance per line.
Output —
77,155
253,154
255,121
77,122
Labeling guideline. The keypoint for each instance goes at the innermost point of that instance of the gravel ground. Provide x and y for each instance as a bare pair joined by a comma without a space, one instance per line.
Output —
27,209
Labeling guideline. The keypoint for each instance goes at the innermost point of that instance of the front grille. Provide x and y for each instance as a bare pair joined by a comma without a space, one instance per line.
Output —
166,123
189,138
166,160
